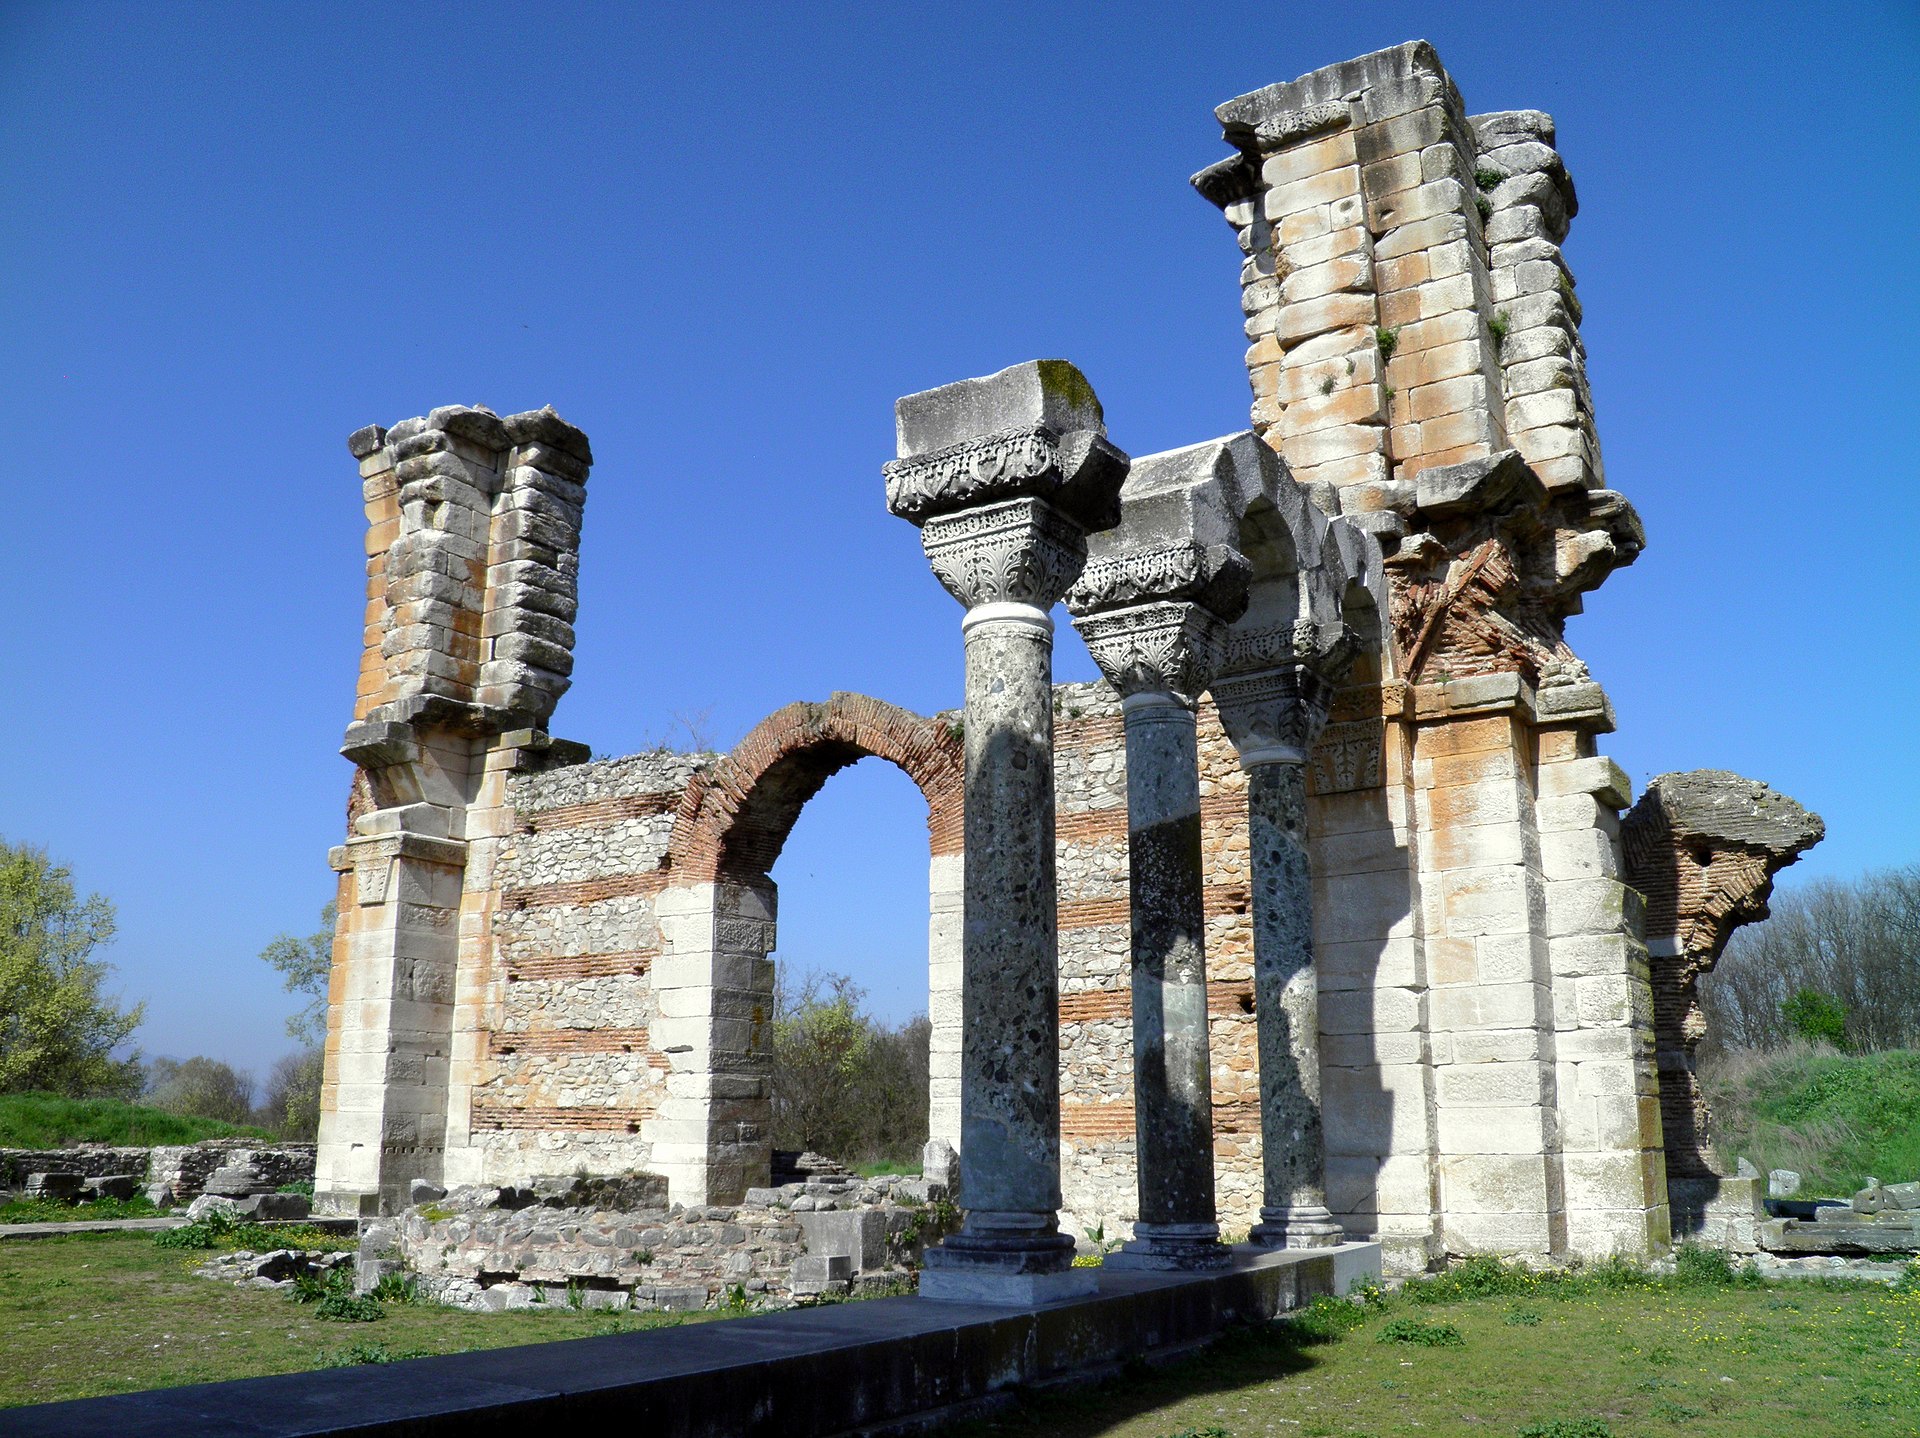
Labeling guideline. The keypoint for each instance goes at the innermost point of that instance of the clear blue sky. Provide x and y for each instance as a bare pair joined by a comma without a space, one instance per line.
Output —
722,239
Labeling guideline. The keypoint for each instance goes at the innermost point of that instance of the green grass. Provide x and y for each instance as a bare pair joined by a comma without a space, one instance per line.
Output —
44,1120
1608,1352
111,1313
44,1210
1833,1118
887,1168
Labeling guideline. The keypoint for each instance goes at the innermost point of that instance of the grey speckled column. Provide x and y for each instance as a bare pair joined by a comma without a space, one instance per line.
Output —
1286,1003
1172,1076
1010,1055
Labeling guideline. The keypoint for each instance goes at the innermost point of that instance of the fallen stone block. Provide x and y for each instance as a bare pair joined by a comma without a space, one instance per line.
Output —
232,1181
423,1190
1782,1183
111,1185
62,1187
208,1203
1904,1195
817,1273
265,1207
860,1235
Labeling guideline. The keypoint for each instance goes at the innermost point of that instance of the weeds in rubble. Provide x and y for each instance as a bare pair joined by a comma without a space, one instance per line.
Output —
1388,340
1420,1333
1487,179
1499,325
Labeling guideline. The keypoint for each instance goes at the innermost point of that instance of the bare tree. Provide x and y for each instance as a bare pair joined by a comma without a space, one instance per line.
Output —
1856,942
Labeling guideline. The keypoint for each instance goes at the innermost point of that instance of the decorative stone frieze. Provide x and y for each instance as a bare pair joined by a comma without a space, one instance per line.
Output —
1003,522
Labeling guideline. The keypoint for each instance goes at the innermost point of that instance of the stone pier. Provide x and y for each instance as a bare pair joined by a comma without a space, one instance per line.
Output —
1005,476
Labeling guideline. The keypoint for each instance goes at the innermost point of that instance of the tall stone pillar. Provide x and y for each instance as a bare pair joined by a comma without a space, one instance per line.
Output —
1005,476
1153,613
1273,717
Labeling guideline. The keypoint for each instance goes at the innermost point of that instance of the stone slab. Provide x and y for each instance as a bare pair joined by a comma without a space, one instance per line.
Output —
801,1374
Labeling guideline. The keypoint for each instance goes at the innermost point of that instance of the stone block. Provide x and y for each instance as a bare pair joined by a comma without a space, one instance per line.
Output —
1489,1006
110,1185
59,1187
1491,1129
859,1235
1592,906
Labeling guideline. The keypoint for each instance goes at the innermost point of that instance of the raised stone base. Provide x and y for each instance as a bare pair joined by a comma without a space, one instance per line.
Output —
1166,1256
1297,1228
892,1363
974,1284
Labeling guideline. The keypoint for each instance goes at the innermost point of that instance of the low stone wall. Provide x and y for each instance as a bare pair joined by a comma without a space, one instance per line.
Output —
488,1248
170,1173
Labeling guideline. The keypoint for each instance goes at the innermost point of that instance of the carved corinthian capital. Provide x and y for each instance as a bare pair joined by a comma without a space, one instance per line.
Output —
1169,648
1274,715
1023,551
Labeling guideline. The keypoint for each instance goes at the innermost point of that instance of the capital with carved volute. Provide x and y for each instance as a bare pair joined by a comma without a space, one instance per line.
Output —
1276,686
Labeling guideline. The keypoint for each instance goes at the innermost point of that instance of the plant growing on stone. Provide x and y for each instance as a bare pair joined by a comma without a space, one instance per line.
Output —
1487,179
1484,206
1499,325
1388,340
1326,385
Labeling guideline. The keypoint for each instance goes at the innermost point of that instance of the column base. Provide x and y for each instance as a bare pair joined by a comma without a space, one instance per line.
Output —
1015,1270
1312,1227
1172,1247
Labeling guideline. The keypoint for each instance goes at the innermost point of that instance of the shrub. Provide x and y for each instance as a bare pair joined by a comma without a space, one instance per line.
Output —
345,1308
1420,1333
1568,1428
1324,1320
1816,1017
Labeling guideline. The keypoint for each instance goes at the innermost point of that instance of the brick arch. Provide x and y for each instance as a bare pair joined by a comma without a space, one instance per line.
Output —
735,816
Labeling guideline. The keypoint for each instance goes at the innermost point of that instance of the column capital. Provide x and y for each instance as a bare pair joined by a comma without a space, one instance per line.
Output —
1032,431
1169,648
1273,715
1020,552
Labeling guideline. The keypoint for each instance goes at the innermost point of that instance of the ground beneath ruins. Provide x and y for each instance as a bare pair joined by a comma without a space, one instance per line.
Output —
114,1313
1602,1357
1592,1362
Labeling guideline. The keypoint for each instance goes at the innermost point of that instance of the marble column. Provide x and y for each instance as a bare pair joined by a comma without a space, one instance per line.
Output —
1160,656
1273,717
1005,477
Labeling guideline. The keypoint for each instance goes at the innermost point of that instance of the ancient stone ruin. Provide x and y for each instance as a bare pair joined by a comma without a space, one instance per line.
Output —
1311,922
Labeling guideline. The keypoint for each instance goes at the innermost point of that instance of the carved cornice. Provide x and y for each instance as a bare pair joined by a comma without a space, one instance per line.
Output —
1328,649
1079,473
1214,576
1166,648
1023,551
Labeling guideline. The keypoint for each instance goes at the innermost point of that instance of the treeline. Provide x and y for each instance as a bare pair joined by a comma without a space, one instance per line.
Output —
845,1084
1837,963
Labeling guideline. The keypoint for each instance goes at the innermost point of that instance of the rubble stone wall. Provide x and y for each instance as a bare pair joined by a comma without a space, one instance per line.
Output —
181,1169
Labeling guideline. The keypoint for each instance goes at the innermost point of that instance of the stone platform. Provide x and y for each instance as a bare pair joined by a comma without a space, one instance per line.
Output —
809,1373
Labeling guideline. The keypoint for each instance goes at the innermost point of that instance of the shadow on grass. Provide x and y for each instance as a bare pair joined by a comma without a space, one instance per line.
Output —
1085,1406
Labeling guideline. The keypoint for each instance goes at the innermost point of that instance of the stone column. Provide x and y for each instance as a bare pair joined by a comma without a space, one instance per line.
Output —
1273,717
1160,656
1005,475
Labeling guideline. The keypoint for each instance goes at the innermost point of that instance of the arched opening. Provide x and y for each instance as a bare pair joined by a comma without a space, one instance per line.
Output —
851,1033
718,929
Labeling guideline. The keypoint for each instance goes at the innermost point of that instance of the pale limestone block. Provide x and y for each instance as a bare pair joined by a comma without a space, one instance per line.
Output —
1571,812
1354,240
1611,999
1616,1042
1363,1011
1353,473
1333,348
1424,234
1303,321
1606,1181
1448,329
1454,431
1324,446
1361,907
1521,222
1383,178
1494,899
1413,370
1443,161
1346,273
1366,1051
1537,344
1465,392
1472,846
1368,1185
1608,1081
1591,906
1362,404
1579,854
1415,130
1422,202
1404,273
1306,225
1505,958
1578,1123
1474,1181
1567,472
1587,955
1361,851
1364,964
1375,1111
1598,776
1323,187
1492,1085
1299,162
1294,383
1635,1125
1497,1233
1545,407
1538,446
1496,800
1489,1006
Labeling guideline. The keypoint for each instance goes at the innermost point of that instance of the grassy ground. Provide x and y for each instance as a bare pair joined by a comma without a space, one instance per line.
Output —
44,1120
45,1210
1584,1360
1832,1118
111,1313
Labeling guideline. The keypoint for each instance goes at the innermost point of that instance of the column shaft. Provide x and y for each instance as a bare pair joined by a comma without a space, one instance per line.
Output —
1010,1058
1293,1211
1172,1076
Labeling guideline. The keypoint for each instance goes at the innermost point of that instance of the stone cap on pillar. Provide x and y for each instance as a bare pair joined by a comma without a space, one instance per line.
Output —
1032,431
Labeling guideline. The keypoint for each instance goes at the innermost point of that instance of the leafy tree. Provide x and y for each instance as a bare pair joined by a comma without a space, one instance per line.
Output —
845,1084
202,1088
1816,1017
291,1103
58,1030
306,963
